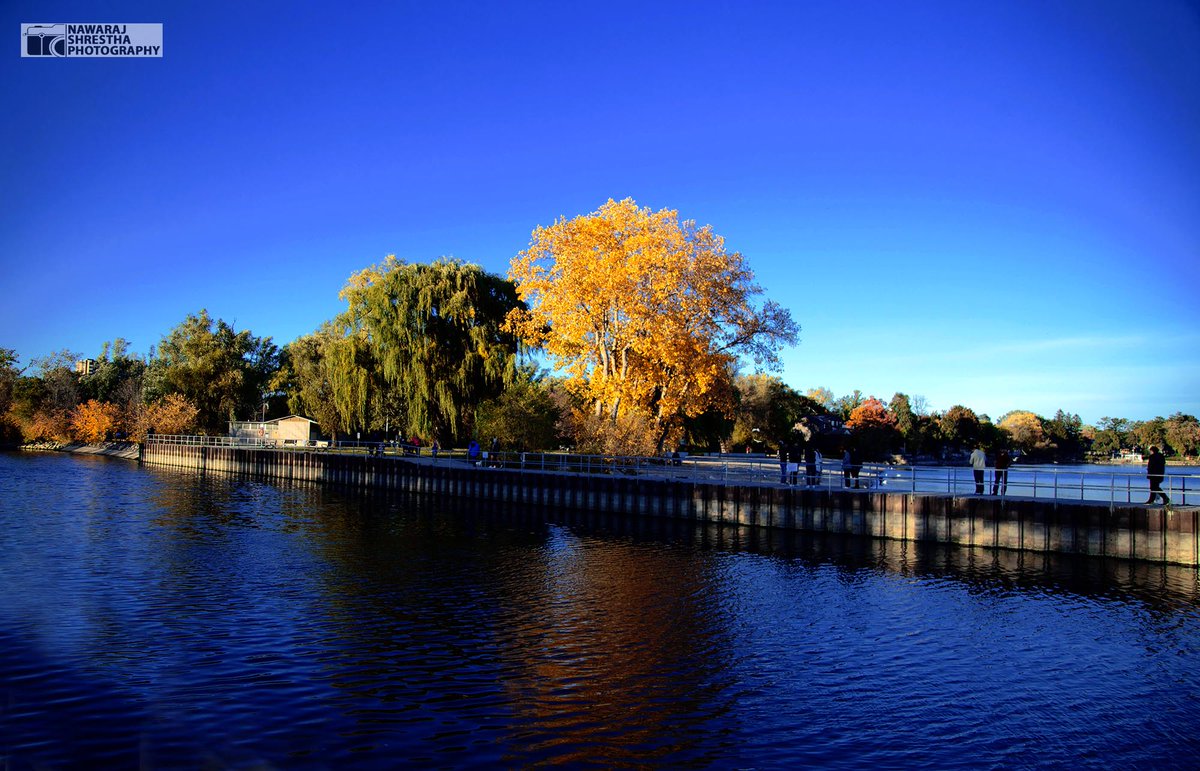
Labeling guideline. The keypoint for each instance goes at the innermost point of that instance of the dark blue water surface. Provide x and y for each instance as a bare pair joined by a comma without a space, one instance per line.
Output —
162,619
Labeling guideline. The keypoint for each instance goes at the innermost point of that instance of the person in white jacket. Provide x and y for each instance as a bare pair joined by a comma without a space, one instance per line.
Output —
978,465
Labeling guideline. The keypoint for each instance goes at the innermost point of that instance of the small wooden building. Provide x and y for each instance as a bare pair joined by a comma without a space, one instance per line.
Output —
292,429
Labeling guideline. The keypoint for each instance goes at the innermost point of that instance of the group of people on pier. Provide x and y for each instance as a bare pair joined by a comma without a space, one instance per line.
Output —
978,461
793,458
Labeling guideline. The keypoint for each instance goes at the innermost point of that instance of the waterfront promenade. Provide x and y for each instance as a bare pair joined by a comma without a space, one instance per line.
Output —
887,503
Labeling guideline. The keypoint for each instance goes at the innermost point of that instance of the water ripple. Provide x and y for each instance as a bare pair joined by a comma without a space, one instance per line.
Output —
169,620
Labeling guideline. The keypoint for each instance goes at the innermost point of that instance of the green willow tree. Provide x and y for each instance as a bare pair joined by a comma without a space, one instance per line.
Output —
327,380
435,334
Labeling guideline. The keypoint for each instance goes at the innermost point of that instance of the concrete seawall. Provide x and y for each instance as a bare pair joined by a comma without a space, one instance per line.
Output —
1122,531
127,450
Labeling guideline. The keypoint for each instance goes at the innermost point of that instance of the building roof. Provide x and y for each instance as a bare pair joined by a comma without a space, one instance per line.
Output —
272,420
291,417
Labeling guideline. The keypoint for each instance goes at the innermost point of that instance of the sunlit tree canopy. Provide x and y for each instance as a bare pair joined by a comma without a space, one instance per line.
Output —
644,312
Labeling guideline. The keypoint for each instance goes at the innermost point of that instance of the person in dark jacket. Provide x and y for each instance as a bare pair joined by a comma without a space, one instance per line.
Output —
811,478
786,456
1000,475
1156,470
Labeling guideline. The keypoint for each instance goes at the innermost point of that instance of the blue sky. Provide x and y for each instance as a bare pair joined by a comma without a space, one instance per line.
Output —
996,205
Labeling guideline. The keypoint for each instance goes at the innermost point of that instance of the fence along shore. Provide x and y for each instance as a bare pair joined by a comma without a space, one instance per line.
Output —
704,491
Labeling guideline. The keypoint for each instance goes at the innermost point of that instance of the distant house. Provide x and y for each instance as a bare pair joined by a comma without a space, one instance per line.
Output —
85,367
292,429
820,425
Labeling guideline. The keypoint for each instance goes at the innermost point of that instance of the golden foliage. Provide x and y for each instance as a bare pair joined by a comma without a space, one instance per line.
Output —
94,421
172,414
871,414
1026,430
631,434
47,425
643,312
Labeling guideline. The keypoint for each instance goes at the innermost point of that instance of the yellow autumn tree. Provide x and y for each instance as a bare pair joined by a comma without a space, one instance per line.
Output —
93,420
644,313
1026,430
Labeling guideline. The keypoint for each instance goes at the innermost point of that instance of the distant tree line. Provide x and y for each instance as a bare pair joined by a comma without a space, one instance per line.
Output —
647,322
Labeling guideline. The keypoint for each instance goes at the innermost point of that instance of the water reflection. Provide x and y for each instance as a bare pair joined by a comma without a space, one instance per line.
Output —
293,625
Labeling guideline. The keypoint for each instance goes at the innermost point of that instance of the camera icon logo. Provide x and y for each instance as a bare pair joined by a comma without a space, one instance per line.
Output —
46,40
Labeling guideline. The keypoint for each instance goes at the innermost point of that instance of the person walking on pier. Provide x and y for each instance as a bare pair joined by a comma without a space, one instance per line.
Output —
1156,470
1000,475
978,466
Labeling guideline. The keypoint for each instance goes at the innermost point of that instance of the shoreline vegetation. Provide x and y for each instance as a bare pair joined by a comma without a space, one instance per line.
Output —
650,327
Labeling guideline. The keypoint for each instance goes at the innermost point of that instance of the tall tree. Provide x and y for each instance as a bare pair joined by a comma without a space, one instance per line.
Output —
1183,433
1150,433
901,409
1112,434
644,313
1065,431
823,396
767,410
960,426
436,333
117,376
60,381
221,371
8,378
9,375
524,417
303,376
873,429
846,405
1025,430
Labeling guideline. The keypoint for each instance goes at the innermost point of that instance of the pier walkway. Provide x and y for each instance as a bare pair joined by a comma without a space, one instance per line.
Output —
718,490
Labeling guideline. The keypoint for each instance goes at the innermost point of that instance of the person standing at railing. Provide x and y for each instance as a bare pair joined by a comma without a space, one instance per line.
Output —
851,467
810,466
978,466
786,452
1156,471
1000,475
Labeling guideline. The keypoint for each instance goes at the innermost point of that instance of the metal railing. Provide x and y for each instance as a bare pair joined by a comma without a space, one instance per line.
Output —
1036,482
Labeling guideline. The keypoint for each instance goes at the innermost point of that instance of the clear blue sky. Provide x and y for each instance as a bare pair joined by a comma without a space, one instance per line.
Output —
993,204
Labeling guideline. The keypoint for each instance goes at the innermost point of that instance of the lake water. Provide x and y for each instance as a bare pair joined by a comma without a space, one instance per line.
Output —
161,619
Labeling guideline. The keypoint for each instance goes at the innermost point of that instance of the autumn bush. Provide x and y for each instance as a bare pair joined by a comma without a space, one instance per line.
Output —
47,425
94,421
172,414
632,433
